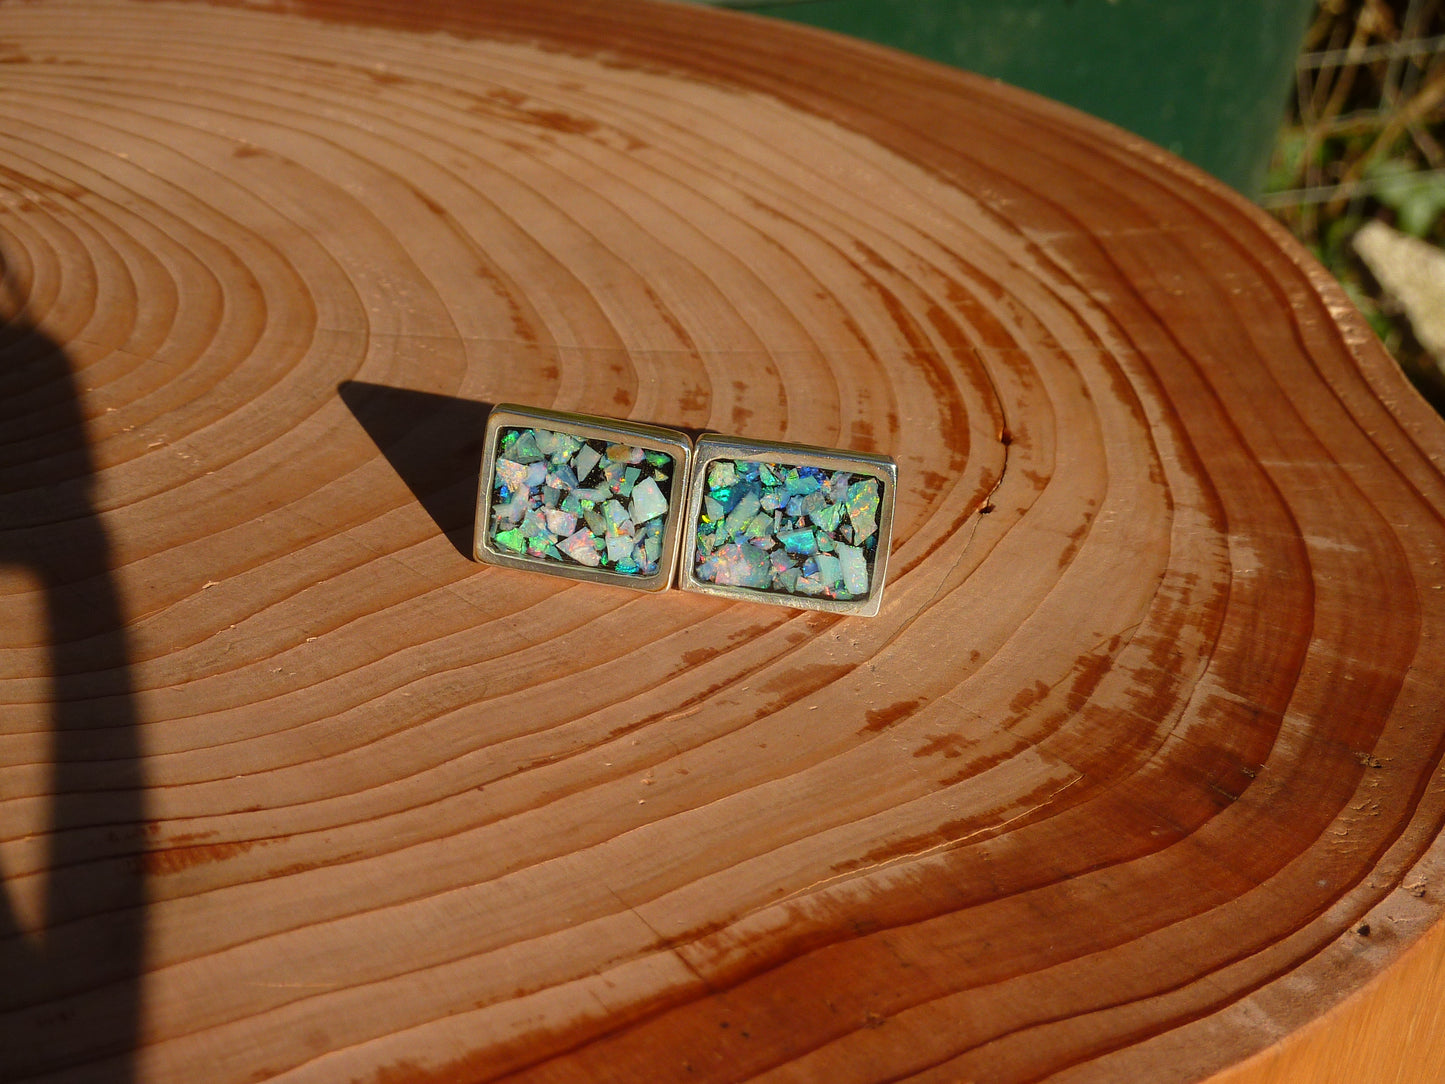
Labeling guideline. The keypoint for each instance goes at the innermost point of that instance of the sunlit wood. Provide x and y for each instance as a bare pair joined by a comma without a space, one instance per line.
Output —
1136,775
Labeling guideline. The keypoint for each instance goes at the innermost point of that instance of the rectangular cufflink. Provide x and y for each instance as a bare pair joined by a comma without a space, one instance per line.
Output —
588,498
788,524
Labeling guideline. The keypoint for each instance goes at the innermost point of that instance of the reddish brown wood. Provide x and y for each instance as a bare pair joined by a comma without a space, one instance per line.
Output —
1136,774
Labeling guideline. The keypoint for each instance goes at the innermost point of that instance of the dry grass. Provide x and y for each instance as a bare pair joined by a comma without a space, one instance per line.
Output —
1366,139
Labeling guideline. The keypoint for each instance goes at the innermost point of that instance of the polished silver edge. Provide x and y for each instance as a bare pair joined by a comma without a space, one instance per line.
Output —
712,446
654,438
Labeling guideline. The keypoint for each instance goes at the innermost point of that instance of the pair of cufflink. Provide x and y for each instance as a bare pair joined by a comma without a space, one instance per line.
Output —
632,505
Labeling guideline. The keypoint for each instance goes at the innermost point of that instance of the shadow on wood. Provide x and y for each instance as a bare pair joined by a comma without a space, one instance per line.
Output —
433,442
70,995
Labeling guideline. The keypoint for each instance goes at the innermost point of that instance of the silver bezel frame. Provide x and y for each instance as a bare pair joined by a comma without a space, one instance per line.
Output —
653,438
712,446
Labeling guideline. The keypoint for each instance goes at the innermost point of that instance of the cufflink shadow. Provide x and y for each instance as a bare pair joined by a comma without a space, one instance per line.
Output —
73,927
433,442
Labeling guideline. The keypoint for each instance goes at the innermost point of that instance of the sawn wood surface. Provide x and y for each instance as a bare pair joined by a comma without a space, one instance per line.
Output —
1135,777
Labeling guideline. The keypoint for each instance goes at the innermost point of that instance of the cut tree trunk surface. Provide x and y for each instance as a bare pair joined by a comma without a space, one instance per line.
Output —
1136,775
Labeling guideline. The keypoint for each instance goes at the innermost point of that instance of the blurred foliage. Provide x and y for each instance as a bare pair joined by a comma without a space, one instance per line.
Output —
1365,139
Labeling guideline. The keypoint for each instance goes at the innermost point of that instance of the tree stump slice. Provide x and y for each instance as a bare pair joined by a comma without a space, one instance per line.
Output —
1136,776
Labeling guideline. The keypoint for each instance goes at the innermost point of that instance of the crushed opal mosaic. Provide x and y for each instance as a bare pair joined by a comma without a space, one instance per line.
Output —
795,530
608,501
599,504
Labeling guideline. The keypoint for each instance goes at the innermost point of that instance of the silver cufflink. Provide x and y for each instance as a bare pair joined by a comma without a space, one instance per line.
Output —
619,502
588,498
788,524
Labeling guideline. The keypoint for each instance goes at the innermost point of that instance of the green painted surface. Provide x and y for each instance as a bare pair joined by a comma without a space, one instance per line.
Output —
1208,79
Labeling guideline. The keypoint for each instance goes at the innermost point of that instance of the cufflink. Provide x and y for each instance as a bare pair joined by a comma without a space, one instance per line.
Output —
788,524
583,497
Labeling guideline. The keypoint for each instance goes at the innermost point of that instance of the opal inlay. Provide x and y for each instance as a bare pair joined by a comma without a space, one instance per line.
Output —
561,497
797,530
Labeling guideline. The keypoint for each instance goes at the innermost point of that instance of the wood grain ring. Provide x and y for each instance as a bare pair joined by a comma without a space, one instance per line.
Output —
1146,733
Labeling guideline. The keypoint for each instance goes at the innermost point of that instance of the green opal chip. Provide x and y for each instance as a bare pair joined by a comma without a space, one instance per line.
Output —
512,540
